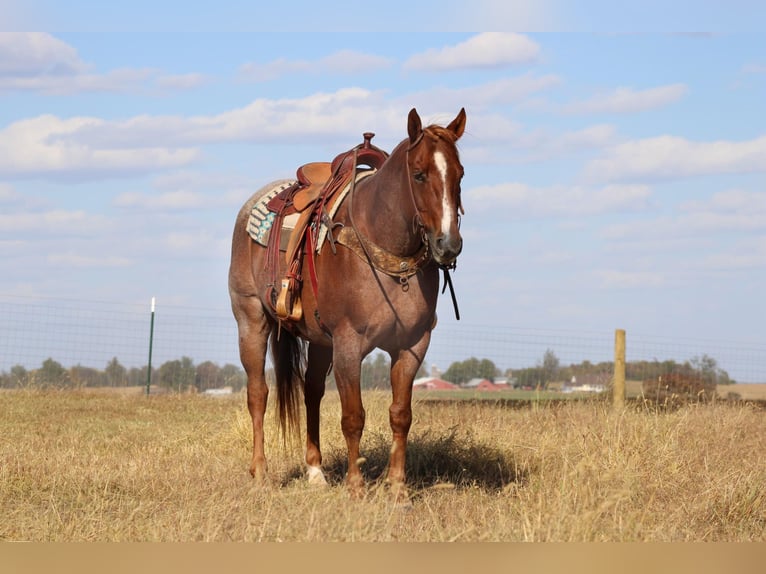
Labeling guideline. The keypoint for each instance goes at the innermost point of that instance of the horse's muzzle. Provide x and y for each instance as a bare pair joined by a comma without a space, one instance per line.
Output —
446,248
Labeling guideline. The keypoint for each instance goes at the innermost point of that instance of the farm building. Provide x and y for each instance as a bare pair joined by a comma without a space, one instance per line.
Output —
484,385
589,385
432,383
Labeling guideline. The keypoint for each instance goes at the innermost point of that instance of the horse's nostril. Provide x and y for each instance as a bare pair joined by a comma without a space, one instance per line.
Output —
448,244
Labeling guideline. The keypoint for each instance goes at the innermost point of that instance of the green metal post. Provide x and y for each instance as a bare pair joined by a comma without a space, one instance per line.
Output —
151,344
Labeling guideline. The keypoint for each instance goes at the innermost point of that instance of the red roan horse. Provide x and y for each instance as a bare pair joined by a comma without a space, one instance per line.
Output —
410,205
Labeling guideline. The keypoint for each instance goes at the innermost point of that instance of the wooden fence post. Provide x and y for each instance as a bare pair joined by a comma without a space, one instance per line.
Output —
618,384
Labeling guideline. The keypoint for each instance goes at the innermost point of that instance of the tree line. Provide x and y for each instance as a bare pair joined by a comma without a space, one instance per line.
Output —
549,370
183,375
179,375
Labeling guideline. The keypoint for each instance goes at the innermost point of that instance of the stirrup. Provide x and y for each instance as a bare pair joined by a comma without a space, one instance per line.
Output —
288,307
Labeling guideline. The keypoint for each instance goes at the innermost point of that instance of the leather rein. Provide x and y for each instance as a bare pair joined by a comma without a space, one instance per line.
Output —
400,267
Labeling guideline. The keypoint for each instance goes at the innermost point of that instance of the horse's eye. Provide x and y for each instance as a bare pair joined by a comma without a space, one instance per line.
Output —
419,176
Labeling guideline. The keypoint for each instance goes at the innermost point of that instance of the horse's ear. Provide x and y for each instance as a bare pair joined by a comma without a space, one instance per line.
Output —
458,124
414,126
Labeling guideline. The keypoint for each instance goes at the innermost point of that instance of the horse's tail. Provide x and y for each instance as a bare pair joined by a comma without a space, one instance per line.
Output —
289,357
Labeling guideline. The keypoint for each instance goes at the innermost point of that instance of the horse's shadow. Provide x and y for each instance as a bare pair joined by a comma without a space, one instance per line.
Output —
432,459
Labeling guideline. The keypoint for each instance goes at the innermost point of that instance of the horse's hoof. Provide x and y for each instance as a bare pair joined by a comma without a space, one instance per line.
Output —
355,487
316,476
259,475
400,496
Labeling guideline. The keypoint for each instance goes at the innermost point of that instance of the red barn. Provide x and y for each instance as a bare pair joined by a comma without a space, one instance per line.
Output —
433,384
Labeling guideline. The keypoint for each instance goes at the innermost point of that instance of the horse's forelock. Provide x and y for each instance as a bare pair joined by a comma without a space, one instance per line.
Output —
440,132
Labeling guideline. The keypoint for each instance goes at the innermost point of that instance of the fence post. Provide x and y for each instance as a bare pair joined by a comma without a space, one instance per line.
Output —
151,344
618,384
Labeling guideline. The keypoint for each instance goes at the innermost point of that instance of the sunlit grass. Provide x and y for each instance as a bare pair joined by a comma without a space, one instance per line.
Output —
76,466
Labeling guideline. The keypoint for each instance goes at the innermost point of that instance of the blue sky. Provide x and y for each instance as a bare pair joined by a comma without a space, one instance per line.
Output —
615,177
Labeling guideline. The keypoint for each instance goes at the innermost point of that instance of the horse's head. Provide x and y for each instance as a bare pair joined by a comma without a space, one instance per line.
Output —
435,172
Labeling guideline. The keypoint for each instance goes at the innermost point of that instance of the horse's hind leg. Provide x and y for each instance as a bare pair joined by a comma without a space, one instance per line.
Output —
319,360
254,328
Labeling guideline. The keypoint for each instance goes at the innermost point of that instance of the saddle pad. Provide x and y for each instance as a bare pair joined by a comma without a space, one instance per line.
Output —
261,219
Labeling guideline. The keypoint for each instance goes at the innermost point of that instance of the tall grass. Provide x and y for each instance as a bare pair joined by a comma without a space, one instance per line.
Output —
97,467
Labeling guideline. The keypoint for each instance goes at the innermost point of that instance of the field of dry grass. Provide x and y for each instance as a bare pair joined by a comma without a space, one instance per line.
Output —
80,466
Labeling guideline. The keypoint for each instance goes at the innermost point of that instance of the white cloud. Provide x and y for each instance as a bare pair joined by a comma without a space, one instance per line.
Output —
730,210
522,200
754,68
342,62
671,157
732,200
727,212
628,100
541,15
196,244
58,221
610,279
8,194
497,140
269,71
182,81
486,50
27,54
90,147
595,136
32,61
71,259
327,115
749,254
351,62
180,199
44,145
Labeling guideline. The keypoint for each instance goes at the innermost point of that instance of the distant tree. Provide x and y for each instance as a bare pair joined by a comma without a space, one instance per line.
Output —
376,372
463,371
178,375
86,376
116,375
208,376
233,376
136,376
52,374
549,367
708,369
530,378
19,376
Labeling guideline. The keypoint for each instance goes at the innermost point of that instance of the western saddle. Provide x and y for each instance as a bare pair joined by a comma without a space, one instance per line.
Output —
310,197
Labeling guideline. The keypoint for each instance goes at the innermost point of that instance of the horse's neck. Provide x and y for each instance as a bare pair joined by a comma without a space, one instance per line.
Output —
383,208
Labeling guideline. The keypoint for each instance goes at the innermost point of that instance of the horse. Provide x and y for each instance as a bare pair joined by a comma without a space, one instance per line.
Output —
409,211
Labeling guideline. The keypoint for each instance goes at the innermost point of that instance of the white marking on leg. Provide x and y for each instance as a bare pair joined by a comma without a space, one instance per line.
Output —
447,215
316,476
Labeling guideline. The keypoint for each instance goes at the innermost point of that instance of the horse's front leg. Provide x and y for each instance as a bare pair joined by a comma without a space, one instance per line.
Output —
404,367
319,359
347,361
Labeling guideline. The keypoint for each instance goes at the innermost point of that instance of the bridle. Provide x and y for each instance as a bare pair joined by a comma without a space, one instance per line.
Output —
399,267
418,225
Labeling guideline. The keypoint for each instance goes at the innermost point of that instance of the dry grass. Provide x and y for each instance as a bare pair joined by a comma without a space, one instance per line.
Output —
95,467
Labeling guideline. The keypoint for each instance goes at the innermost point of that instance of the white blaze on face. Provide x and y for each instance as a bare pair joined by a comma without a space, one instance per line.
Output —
441,165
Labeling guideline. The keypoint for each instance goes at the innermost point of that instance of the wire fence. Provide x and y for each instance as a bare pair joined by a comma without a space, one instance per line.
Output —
91,334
